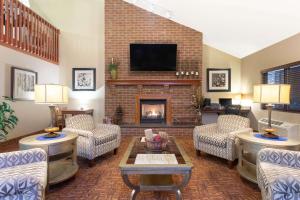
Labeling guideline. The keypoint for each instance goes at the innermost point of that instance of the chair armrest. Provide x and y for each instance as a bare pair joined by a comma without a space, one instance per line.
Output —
232,135
21,184
108,126
206,128
285,185
111,127
23,157
281,157
83,133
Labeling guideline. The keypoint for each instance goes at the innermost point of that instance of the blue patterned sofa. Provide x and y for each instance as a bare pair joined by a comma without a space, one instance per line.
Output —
219,139
93,139
278,174
23,175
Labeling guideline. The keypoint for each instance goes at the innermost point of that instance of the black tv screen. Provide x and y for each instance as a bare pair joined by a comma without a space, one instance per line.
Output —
153,57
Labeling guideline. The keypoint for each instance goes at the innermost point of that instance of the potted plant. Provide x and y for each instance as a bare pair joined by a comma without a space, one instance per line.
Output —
113,67
8,119
197,104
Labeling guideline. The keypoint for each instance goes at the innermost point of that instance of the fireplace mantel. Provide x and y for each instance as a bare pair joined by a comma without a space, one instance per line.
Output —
191,82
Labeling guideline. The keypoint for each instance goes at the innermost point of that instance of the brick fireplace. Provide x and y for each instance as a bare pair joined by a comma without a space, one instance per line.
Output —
126,24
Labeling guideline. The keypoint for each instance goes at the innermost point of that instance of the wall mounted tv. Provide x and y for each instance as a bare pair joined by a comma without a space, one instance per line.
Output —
153,57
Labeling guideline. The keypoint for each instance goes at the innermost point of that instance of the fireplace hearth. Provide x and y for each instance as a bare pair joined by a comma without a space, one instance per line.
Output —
153,111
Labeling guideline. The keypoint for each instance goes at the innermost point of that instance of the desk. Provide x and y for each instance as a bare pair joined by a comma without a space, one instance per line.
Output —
75,112
220,111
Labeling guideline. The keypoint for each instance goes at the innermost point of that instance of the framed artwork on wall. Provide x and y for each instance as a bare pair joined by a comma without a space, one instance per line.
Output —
22,84
84,79
218,80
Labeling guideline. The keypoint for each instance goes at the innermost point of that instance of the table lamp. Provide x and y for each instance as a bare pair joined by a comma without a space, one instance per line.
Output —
51,94
271,94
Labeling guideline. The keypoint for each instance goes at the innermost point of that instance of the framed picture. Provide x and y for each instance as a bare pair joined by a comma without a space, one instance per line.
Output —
22,83
84,79
218,80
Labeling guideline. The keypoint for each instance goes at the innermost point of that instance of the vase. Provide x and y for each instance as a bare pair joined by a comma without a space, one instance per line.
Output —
114,74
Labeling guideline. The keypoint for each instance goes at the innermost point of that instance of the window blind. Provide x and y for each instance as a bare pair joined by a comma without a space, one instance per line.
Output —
287,74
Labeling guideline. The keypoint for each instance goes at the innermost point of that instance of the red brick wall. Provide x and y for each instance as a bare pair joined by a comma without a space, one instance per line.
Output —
125,24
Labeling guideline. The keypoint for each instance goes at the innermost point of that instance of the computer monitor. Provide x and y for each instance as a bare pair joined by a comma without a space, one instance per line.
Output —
225,101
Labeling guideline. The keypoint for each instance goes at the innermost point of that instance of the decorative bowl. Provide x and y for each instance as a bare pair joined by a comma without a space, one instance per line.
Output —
156,145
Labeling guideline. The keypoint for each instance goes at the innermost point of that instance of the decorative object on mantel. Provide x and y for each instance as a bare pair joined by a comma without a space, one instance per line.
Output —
22,83
113,69
187,74
51,94
118,117
8,119
84,79
271,94
218,80
198,104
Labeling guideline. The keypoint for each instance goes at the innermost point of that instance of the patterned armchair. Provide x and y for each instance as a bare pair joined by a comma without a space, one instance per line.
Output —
219,139
278,174
94,139
23,175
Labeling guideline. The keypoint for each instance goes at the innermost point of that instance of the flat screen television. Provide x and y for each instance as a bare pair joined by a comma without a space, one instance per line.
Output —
153,57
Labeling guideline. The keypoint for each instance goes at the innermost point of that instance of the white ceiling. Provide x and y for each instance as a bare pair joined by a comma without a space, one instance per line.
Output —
238,27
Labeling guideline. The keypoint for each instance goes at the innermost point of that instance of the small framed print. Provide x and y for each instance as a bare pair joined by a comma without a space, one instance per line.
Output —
22,84
218,80
84,79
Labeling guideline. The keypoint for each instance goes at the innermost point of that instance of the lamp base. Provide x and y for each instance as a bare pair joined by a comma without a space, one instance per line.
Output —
269,133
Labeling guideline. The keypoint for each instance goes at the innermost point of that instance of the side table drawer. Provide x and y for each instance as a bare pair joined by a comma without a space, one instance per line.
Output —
60,148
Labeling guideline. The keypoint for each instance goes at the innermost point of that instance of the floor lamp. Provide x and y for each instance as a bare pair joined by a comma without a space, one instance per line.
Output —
271,94
51,94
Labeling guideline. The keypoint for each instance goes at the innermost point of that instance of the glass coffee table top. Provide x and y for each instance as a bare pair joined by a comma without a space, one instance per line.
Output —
141,148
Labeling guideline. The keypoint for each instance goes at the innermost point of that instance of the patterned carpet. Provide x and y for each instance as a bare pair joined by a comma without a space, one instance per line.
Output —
211,179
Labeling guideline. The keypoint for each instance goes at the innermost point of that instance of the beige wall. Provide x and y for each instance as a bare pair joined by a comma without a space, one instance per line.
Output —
81,45
281,53
32,117
214,58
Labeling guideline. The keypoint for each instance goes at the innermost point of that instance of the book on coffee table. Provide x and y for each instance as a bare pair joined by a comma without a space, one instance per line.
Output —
152,159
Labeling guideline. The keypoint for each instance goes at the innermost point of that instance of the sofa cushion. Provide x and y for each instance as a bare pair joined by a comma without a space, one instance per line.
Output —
216,139
103,136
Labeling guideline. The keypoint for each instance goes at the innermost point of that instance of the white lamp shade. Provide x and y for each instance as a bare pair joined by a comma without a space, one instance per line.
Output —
272,93
51,94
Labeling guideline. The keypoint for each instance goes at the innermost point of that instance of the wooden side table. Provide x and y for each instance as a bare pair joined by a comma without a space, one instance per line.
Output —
248,147
64,113
62,155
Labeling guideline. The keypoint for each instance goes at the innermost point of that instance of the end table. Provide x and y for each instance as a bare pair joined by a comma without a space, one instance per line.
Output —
62,154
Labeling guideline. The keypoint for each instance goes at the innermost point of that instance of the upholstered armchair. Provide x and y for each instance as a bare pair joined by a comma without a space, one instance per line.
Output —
219,139
23,175
93,139
278,174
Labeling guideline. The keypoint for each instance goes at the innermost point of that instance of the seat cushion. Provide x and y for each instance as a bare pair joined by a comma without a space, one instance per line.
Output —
37,170
216,139
103,136
270,172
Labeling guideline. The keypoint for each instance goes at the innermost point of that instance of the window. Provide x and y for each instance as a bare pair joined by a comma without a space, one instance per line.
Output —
288,74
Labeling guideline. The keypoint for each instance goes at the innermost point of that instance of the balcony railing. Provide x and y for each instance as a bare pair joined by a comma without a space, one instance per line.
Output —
23,30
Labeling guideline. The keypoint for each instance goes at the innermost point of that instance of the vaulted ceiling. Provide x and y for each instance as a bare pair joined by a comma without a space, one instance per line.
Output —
238,27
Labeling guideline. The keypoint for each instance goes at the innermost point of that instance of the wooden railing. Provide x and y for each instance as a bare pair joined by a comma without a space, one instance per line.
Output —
22,29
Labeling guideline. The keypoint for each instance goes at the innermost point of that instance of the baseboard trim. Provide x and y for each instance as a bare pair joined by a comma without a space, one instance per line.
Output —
20,137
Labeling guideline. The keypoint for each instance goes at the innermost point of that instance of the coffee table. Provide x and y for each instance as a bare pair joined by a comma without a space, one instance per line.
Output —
155,177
